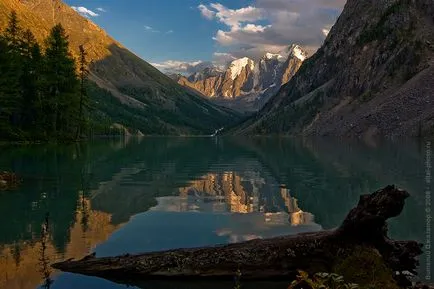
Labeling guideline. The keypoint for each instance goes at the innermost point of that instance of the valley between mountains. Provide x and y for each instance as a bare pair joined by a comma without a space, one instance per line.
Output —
373,76
125,91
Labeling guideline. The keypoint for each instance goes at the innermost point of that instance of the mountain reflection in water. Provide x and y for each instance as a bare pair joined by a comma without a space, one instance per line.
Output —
249,218
115,197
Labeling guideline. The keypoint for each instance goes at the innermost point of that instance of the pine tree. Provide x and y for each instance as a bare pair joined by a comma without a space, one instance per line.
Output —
41,95
13,32
4,95
84,72
10,100
31,107
62,85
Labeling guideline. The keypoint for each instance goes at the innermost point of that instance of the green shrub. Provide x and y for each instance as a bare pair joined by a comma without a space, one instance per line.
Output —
321,281
366,96
366,267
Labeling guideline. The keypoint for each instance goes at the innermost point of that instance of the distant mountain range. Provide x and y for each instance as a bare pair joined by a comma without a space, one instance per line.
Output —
246,84
372,77
126,91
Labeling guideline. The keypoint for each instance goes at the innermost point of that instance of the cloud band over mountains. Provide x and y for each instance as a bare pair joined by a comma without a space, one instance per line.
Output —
269,26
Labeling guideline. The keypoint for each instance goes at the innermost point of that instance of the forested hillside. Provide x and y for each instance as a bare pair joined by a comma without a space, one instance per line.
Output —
125,93
40,91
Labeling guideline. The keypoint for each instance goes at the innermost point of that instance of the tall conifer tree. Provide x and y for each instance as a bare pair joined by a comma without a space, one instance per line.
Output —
83,74
4,93
41,94
62,84
12,96
30,82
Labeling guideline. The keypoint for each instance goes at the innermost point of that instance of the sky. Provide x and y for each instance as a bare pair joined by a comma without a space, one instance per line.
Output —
183,36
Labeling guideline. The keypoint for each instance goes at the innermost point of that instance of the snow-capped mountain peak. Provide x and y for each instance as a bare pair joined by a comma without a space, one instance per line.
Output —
295,51
205,73
252,82
273,56
237,66
299,53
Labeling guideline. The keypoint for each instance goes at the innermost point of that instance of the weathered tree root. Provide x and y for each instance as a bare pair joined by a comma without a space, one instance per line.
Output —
281,257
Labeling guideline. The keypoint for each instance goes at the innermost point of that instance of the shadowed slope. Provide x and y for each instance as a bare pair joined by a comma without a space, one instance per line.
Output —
372,76
150,100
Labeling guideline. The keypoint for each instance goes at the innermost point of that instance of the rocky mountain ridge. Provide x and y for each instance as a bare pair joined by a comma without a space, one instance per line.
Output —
373,76
247,84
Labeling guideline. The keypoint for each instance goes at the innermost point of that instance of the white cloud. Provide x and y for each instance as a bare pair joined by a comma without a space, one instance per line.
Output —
234,18
150,29
84,11
101,9
223,38
252,28
223,54
274,24
219,60
300,5
207,13
264,26
169,32
182,67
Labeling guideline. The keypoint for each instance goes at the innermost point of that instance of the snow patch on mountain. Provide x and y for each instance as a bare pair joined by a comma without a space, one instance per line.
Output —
254,81
237,66
297,52
294,51
273,56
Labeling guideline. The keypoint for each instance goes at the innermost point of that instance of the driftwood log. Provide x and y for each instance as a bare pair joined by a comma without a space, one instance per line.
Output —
281,257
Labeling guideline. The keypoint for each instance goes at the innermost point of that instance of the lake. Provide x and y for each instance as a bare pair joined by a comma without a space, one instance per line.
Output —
138,195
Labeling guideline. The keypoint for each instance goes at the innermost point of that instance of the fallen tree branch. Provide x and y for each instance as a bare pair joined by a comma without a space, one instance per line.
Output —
281,257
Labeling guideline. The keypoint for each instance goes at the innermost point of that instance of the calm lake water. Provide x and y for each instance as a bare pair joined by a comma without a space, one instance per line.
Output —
114,197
